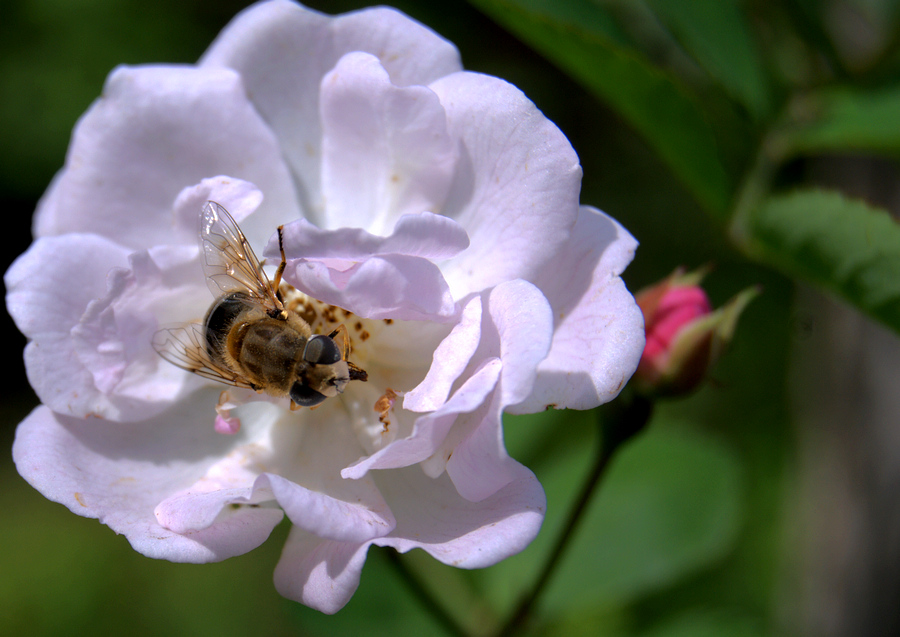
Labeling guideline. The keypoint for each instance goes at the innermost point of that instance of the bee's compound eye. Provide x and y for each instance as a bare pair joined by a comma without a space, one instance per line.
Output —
305,396
321,350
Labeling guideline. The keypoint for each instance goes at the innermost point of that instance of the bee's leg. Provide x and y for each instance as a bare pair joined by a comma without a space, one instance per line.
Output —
357,372
294,406
225,422
277,282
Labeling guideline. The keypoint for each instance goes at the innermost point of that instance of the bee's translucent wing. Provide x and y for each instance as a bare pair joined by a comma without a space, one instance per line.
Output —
185,347
228,260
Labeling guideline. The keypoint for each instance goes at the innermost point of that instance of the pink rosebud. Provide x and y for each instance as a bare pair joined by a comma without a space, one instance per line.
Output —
685,337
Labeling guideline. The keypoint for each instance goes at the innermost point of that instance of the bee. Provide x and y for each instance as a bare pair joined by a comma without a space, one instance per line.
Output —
248,337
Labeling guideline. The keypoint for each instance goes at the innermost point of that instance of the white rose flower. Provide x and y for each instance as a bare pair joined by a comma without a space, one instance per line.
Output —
438,207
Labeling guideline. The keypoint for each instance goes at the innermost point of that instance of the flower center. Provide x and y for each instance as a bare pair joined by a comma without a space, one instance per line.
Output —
368,404
324,319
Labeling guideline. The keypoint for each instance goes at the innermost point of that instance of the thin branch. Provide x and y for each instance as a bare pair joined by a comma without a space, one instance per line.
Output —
619,427
419,590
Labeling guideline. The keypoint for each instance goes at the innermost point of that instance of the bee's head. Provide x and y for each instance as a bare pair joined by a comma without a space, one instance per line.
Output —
324,373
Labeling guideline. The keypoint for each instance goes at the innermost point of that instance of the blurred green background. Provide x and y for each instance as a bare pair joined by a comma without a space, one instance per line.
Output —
765,504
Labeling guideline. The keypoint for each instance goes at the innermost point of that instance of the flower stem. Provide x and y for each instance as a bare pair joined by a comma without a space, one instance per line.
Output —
626,419
420,591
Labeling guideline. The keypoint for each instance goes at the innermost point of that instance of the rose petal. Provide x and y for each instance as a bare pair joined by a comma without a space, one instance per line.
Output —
332,518
478,463
431,515
296,462
95,355
96,339
375,277
117,472
230,482
383,287
523,322
240,198
309,487
516,186
175,126
188,512
515,337
521,317
50,285
430,431
385,149
423,234
46,308
323,574
450,360
599,332
282,50
409,51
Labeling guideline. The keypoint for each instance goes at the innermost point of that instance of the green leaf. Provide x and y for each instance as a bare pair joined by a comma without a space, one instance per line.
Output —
843,119
653,102
670,504
840,244
715,33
